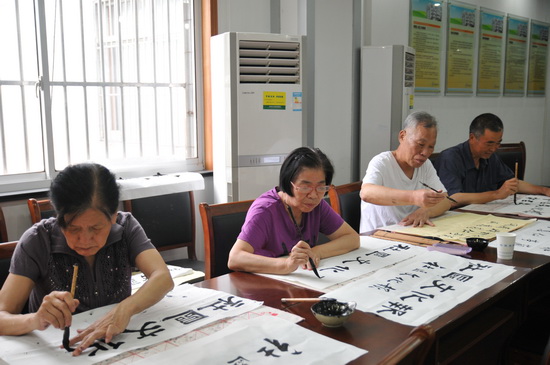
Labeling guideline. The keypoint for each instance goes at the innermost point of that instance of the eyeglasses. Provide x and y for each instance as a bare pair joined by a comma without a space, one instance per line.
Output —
306,189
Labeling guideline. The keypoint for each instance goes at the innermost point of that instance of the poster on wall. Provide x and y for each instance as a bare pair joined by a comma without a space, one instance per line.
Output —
516,56
460,48
538,59
491,36
426,29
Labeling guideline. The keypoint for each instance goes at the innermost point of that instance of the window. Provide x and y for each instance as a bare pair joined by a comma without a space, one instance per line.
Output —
115,81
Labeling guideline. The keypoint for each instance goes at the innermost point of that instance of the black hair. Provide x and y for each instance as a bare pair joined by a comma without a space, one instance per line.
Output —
297,161
485,121
83,186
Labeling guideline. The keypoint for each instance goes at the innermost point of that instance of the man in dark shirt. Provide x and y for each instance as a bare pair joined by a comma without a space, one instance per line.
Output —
473,173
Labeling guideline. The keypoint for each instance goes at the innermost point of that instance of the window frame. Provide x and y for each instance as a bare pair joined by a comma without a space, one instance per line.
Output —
40,181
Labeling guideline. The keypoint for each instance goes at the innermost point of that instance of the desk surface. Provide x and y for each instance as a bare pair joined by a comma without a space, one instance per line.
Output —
365,330
368,331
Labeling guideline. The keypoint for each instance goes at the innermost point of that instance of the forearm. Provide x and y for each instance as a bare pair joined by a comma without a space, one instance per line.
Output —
528,188
154,289
382,195
475,198
439,208
338,246
246,261
16,324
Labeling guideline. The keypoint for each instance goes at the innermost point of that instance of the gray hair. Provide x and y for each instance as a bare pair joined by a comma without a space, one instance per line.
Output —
416,119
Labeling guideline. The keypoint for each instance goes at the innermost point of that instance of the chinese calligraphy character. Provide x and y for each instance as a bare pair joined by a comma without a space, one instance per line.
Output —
187,317
145,328
420,296
395,308
458,276
98,346
475,266
336,268
436,284
222,304
384,287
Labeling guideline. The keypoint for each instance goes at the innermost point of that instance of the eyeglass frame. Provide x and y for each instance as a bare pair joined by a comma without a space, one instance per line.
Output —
308,189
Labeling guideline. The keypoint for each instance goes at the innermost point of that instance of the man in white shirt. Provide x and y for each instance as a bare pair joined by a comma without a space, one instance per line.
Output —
402,186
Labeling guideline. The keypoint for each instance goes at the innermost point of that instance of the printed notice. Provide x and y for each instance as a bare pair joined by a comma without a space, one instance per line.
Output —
460,49
426,18
489,81
538,59
516,57
275,100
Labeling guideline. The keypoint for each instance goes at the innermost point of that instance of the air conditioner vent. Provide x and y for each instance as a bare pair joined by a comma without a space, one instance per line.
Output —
266,62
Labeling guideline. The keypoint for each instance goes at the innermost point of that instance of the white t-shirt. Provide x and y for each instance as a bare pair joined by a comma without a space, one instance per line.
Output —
384,170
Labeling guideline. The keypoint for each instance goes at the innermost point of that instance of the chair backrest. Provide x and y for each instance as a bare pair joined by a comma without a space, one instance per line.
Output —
545,359
168,220
3,228
6,251
345,200
40,209
433,157
221,224
510,153
414,349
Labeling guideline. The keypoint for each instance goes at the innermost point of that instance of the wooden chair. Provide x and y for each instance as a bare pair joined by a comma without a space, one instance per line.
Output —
510,153
433,157
414,349
169,221
345,200
221,224
40,209
6,251
3,228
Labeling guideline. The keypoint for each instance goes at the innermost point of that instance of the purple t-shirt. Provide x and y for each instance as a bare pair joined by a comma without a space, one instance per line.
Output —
271,232
43,256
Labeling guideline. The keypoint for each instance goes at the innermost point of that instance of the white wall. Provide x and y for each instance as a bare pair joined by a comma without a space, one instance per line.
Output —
333,111
525,118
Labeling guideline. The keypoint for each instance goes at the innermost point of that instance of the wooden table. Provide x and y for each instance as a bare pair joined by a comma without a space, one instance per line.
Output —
474,331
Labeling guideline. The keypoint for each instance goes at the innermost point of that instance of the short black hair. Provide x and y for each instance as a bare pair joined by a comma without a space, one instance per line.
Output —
485,121
83,186
297,161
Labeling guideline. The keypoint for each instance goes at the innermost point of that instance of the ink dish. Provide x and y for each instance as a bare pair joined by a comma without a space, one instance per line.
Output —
477,244
333,313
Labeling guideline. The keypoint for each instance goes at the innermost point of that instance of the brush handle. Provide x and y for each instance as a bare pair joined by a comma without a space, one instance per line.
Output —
310,300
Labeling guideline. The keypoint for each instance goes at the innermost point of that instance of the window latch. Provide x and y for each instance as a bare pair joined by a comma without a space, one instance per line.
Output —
38,87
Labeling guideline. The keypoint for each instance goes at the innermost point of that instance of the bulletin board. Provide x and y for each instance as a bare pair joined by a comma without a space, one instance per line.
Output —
490,52
461,37
538,59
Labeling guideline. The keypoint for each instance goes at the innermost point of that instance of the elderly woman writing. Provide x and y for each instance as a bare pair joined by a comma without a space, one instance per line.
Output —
105,244
282,226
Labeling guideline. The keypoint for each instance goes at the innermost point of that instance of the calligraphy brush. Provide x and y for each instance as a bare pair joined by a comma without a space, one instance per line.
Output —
310,300
448,197
516,175
67,332
313,267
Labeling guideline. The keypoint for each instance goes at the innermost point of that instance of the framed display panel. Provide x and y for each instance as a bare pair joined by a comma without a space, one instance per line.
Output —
491,52
516,55
425,37
538,59
461,37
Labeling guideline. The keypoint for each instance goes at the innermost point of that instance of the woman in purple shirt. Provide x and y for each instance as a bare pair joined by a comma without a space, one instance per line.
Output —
282,226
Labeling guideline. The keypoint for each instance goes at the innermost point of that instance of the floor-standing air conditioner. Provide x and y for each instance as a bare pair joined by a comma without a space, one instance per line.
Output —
256,110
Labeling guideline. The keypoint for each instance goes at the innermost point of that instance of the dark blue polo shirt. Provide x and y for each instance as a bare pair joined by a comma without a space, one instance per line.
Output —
456,169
